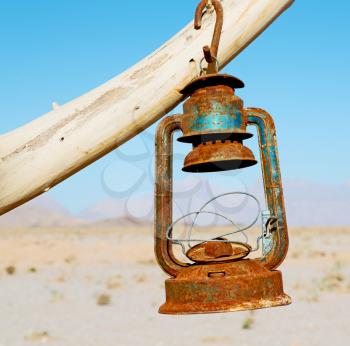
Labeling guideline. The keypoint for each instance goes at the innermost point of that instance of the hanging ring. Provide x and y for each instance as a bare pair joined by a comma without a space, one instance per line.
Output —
205,69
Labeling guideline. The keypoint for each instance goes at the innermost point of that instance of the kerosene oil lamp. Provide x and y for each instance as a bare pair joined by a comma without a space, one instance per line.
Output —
218,276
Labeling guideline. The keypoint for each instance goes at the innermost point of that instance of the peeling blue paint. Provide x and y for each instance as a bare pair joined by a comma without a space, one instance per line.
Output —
220,117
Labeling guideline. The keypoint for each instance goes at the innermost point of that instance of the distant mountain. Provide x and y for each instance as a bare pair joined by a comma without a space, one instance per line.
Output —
313,204
307,204
43,211
119,222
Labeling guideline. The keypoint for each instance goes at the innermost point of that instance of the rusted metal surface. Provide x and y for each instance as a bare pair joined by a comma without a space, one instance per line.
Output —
213,109
218,155
215,124
164,194
216,250
210,252
272,184
211,53
212,80
224,287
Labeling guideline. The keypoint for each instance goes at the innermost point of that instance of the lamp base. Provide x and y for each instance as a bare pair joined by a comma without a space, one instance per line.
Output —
224,287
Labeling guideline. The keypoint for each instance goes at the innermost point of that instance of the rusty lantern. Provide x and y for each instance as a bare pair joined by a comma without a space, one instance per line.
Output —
218,276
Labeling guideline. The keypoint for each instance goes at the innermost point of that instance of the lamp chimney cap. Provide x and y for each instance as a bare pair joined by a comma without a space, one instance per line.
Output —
212,80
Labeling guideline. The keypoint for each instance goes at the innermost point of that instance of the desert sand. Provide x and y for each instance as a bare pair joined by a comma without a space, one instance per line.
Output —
103,287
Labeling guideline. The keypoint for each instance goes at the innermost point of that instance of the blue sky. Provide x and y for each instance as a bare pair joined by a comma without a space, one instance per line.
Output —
298,70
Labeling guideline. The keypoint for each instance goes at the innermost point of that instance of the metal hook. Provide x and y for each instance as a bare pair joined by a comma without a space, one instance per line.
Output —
211,53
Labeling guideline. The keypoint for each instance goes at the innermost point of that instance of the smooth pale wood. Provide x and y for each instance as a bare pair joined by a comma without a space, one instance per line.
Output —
46,151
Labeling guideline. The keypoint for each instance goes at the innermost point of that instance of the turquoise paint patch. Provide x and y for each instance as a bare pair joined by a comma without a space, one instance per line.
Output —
219,118
216,121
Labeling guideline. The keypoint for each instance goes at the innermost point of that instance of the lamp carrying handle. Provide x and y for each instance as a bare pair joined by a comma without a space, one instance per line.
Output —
272,184
164,194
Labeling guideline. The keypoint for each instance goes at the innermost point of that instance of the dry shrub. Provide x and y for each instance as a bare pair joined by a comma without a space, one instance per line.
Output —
312,296
248,323
10,270
103,299
215,339
330,282
114,282
56,297
41,337
70,259
149,262
60,278
141,278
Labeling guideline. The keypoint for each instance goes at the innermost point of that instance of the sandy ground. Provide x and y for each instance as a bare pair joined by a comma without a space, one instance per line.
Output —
103,287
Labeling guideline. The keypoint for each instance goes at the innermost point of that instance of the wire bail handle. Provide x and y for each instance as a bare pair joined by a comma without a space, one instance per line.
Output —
220,238
210,53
